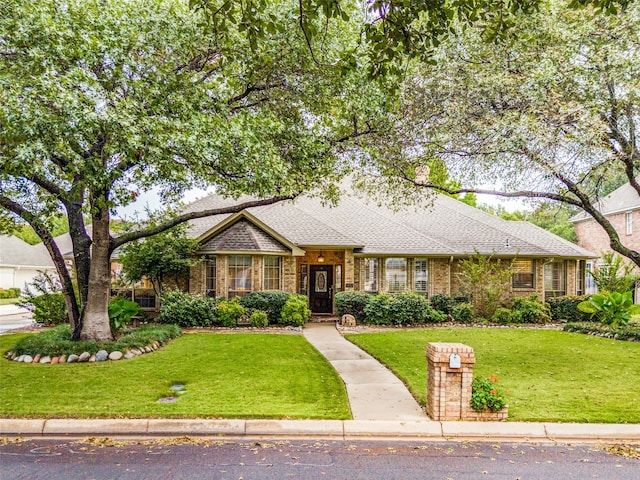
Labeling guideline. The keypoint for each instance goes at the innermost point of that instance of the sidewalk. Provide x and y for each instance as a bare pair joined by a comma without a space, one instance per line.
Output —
13,316
374,392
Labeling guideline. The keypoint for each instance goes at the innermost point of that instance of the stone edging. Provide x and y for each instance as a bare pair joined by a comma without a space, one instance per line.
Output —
85,357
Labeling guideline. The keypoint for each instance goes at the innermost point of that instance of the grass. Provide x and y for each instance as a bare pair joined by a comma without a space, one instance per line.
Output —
547,375
225,376
9,301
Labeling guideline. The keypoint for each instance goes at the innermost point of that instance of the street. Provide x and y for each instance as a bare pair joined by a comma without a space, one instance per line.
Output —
187,458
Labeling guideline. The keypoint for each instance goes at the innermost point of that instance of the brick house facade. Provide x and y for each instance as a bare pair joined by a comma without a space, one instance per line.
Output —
310,248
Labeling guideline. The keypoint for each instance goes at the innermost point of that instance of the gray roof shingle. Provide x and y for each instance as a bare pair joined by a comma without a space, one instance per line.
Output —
16,252
622,199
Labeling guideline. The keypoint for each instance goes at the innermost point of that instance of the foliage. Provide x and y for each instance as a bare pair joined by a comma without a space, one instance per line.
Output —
57,341
228,312
485,395
45,297
120,312
296,311
167,255
487,281
504,316
269,301
259,319
9,293
630,332
614,274
445,303
462,312
565,308
352,303
611,308
531,309
59,225
401,309
186,310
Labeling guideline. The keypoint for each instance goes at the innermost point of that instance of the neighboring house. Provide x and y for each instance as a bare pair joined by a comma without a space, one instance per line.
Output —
317,250
21,262
622,208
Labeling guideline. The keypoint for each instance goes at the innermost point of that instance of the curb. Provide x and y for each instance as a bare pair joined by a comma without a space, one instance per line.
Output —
328,429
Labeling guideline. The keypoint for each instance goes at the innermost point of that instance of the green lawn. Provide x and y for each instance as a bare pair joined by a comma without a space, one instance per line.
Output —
547,375
9,301
226,376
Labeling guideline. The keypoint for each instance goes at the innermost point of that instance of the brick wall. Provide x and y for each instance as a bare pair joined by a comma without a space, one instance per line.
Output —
440,276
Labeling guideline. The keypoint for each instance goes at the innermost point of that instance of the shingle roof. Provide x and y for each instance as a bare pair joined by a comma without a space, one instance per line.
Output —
622,199
16,252
441,226
243,236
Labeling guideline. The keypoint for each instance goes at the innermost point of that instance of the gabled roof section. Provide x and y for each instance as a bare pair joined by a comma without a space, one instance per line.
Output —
622,199
17,252
242,232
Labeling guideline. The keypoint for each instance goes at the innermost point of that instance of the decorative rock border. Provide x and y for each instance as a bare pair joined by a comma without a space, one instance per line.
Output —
84,357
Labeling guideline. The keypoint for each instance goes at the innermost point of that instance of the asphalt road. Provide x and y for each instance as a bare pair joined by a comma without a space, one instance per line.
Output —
299,459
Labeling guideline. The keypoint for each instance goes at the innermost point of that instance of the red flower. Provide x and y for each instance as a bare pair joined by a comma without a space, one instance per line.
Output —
494,378
494,391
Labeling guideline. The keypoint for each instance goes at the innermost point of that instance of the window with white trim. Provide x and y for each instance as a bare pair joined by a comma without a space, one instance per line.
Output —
371,275
271,279
629,222
239,275
396,274
210,276
420,275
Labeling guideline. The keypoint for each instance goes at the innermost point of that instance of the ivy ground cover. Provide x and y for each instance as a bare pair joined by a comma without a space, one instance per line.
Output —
223,376
547,375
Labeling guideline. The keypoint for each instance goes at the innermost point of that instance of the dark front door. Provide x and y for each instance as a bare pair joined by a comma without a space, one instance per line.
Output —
321,288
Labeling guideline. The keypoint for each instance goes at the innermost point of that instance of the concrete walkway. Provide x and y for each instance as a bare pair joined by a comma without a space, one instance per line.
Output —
374,392
13,316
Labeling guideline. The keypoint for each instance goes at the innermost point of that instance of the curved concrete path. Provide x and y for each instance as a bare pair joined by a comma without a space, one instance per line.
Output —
374,392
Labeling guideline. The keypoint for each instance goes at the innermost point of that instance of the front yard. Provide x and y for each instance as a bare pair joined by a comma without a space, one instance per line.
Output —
547,375
224,376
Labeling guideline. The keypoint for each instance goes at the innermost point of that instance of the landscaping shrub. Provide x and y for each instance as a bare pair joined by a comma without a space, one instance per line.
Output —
401,309
186,310
352,303
443,303
269,301
120,312
530,310
259,319
295,312
57,341
49,309
377,310
565,308
503,316
630,332
611,308
9,293
462,312
228,312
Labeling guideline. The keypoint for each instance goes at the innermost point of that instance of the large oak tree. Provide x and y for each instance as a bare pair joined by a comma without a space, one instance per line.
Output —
103,99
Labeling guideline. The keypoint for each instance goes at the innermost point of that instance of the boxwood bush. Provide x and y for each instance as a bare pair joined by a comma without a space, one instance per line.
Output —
228,312
353,303
401,309
270,301
184,310
462,312
296,311
531,310
565,309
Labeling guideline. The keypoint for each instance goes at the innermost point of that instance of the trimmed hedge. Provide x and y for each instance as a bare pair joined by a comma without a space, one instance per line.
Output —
565,309
630,332
353,303
270,301
401,309
296,311
184,310
9,292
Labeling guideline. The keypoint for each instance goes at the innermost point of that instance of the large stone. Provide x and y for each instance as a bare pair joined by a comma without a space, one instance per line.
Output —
102,355
348,320
92,358
36,359
73,358
27,359
55,360
63,359
84,357
129,355
45,360
115,355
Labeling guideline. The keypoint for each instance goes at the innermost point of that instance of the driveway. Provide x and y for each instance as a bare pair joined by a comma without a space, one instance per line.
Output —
13,316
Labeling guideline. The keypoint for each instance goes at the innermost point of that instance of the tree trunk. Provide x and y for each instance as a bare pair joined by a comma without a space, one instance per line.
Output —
95,316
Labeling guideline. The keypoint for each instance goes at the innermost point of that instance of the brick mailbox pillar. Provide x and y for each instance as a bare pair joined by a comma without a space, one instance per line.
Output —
449,377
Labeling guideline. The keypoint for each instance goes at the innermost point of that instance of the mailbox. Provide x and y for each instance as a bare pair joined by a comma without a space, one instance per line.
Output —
454,361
